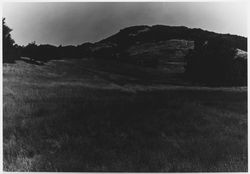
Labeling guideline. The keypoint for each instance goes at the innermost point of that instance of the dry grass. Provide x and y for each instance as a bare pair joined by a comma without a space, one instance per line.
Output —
54,120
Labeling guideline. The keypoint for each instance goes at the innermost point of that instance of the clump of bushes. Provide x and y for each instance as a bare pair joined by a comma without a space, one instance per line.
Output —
214,62
46,52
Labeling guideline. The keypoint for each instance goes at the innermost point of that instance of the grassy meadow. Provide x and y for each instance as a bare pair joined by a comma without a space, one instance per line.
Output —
64,117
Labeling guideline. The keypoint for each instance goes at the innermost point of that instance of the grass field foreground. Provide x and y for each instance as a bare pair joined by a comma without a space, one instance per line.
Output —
54,122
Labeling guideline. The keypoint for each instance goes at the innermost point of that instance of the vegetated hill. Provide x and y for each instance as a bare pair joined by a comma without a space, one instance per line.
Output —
167,49
130,35
151,46
157,45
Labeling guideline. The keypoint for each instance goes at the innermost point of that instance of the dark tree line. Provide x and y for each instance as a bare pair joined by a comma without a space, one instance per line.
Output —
214,62
48,52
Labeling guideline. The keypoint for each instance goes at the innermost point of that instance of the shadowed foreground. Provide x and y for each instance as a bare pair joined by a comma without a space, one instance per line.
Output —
54,120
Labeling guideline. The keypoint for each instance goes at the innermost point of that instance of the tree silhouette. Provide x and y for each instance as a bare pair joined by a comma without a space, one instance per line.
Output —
10,53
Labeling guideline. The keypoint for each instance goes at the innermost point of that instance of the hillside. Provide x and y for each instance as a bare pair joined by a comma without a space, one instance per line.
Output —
161,32
158,41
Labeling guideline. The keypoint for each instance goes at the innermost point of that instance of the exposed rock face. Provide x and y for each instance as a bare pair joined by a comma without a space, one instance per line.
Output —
240,54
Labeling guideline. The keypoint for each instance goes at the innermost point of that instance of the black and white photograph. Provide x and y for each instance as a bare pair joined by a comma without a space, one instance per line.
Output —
112,86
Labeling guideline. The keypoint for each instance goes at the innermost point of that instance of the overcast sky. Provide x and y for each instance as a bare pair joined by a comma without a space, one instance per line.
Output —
78,22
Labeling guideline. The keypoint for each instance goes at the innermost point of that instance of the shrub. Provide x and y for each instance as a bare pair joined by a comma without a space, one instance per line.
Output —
213,62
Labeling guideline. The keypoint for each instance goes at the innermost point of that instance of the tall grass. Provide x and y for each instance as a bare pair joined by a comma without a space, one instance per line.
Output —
64,127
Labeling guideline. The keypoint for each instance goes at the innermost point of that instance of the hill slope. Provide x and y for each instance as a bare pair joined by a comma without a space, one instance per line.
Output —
157,45
161,33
